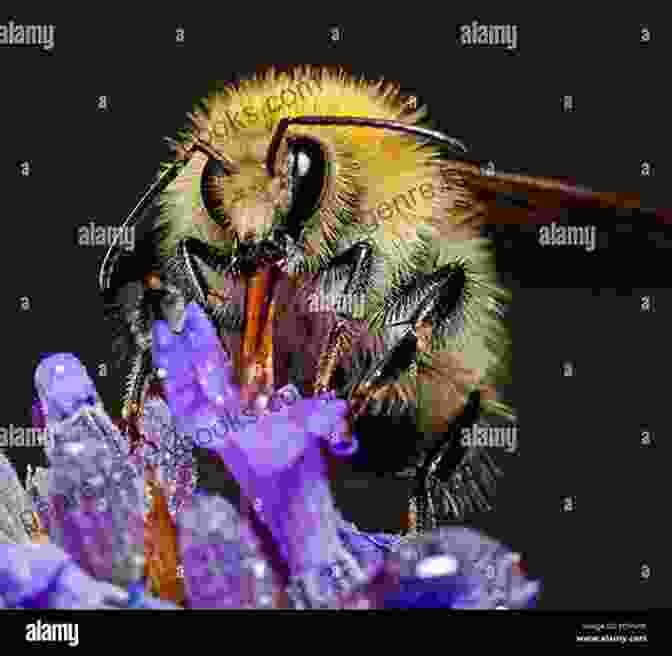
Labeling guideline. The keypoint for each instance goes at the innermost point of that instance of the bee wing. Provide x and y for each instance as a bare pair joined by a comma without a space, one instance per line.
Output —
519,199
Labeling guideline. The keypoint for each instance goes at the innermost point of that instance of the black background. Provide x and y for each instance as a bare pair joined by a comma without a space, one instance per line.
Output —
578,436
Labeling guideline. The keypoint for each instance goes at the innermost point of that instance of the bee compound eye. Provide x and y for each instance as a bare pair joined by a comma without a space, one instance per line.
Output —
307,170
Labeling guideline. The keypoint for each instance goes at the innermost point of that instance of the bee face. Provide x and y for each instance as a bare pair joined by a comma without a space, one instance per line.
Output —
244,201
261,210
263,213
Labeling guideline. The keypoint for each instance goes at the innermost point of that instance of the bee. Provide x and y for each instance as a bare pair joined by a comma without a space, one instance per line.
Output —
336,242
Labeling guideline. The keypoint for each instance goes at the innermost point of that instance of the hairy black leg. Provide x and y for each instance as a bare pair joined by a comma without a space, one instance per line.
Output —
427,302
354,267
454,479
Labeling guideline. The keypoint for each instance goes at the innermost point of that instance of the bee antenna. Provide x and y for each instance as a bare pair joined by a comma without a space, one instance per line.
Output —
455,144
137,213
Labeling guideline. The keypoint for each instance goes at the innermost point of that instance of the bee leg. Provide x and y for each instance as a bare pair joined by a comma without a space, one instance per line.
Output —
169,302
361,256
402,358
458,479
338,341
355,266
358,259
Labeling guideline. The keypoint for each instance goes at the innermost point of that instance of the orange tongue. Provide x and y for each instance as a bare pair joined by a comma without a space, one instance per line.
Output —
162,550
257,345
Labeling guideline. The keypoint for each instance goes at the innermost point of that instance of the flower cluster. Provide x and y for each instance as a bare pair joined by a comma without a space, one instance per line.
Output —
289,548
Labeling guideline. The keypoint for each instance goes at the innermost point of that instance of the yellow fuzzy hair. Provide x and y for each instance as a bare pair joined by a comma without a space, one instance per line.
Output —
369,168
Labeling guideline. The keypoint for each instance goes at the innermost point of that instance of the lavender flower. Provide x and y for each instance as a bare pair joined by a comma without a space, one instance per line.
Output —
15,506
96,502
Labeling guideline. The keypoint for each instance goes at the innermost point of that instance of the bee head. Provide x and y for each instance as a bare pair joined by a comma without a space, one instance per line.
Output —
264,211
